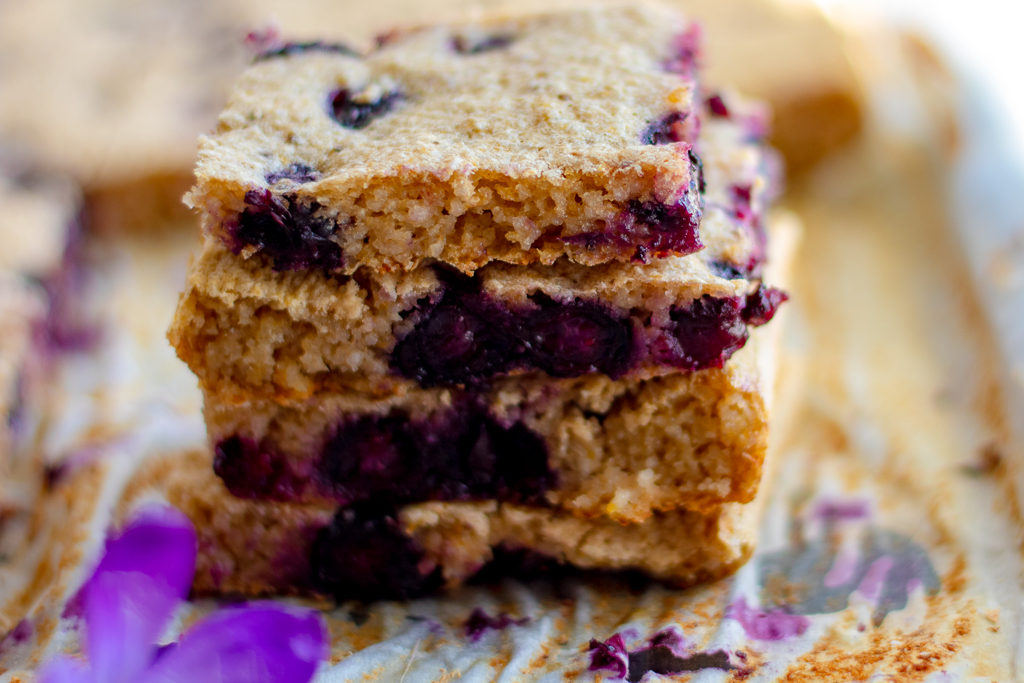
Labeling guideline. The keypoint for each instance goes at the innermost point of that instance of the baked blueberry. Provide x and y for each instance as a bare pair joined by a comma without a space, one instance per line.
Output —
251,471
670,128
467,46
287,231
363,554
571,339
352,110
296,172
294,48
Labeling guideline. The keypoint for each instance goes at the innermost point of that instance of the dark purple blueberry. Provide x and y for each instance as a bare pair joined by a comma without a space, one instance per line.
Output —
685,52
370,456
716,105
704,335
762,305
668,129
363,554
521,471
297,172
250,471
461,454
572,339
289,49
461,340
352,111
287,231
465,46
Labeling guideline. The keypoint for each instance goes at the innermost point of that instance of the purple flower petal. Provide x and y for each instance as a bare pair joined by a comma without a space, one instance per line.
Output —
261,643
65,670
145,572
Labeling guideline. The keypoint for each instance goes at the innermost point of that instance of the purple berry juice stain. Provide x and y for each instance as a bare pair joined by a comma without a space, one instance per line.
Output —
874,578
841,510
821,575
772,624
609,655
480,622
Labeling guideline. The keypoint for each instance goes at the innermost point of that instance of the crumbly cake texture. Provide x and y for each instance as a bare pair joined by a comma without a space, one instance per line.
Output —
250,330
521,139
253,548
619,448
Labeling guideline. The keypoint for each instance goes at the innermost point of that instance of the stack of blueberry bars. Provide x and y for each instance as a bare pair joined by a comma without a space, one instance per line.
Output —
489,291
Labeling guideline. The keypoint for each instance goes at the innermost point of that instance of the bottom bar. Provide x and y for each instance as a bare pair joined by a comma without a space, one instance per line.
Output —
250,548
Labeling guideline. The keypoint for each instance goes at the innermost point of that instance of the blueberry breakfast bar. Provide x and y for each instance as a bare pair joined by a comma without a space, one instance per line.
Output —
521,140
250,328
369,552
506,276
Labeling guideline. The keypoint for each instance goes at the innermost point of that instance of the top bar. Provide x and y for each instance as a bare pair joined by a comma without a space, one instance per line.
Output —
519,140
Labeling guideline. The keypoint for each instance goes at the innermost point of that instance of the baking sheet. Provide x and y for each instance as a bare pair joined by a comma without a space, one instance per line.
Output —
891,546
